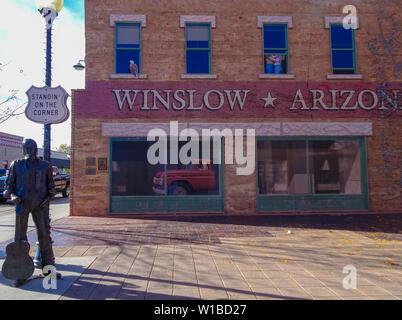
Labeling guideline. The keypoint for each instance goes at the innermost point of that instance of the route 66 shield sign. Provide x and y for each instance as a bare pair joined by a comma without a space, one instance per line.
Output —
47,105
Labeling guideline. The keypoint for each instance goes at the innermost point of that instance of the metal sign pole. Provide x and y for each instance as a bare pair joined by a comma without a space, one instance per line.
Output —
49,16
48,81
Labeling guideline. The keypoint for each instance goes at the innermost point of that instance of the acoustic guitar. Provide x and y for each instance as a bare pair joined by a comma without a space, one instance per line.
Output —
18,265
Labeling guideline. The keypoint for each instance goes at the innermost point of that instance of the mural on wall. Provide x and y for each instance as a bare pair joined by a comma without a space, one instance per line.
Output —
385,48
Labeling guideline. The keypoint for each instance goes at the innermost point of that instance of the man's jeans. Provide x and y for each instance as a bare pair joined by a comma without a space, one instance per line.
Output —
277,68
269,68
41,219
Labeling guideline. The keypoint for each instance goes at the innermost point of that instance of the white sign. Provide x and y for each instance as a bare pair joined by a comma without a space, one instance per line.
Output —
47,105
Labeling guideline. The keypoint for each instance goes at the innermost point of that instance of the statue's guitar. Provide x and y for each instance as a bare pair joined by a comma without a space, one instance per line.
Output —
18,265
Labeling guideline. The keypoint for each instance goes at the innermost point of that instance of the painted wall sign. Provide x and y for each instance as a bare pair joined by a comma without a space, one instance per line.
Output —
238,100
47,105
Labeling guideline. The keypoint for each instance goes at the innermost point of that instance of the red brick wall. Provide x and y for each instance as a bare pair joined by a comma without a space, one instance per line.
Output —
237,56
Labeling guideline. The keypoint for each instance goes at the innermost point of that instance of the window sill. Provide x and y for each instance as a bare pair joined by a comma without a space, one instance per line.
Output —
127,76
198,76
275,76
344,76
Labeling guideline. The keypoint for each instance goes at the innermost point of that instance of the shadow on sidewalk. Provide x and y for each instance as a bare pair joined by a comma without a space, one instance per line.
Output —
97,285
209,230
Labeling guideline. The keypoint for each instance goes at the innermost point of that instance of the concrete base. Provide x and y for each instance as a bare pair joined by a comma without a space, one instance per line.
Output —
70,268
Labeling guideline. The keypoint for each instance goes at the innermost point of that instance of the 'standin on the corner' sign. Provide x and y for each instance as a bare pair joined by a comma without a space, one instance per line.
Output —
47,105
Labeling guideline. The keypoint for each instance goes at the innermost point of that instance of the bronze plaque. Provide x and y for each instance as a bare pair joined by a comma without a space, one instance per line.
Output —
102,165
90,162
90,171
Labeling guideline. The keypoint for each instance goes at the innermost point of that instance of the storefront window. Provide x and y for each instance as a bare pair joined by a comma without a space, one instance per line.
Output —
335,167
133,175
309,167
282,167
194,178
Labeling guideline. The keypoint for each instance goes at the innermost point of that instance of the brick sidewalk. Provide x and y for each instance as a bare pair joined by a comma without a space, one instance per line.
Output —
233,257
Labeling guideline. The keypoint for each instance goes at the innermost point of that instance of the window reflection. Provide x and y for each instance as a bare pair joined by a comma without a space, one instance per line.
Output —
333,167
200,177
282,167
132,175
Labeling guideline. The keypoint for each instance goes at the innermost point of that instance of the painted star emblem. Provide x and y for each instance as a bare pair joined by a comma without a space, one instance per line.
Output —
269,101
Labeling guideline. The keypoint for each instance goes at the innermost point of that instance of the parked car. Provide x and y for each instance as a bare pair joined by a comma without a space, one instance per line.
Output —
61,182
190,179
3,178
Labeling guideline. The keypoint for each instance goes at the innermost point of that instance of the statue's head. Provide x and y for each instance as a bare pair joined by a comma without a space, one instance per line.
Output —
30,148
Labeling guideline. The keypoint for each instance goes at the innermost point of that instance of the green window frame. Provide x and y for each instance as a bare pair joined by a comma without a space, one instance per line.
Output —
313,201
268,50
198,49
127,51
345,48
163,203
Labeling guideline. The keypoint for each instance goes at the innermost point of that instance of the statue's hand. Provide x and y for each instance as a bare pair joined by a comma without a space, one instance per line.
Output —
16,199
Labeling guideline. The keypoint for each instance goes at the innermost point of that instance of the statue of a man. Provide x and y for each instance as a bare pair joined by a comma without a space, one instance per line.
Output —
30,185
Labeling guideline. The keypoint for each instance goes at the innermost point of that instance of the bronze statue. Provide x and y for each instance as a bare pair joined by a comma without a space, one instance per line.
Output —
30,186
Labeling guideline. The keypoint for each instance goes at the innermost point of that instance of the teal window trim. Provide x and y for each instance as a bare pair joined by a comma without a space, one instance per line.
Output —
117,24
353,50
364,171
110,175
265,50
199,49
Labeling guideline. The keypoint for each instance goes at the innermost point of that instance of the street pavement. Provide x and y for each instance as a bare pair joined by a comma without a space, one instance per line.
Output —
59,208
232,257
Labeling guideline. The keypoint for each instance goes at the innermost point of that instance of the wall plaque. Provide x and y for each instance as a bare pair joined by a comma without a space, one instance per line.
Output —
102,166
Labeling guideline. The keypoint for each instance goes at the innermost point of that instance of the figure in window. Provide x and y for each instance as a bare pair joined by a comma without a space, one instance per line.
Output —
274,63
277,63
269,66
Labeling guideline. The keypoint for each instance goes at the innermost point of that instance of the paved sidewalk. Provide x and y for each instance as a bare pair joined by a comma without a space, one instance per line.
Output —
233,257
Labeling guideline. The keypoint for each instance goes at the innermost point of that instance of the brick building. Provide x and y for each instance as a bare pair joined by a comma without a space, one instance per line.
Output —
323,101
10,149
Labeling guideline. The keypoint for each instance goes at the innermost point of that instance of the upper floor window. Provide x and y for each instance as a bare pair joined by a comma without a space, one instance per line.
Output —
342,50
198,48
275,38
128,47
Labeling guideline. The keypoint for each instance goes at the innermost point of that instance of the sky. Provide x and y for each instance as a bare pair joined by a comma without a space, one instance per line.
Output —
22,48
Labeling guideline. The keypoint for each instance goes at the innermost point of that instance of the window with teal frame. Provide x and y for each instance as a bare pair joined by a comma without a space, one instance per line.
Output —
343,50
198,48
127,46
275,44
136,185
312,173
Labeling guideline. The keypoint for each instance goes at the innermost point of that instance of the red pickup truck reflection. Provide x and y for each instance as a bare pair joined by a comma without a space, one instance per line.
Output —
188,180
